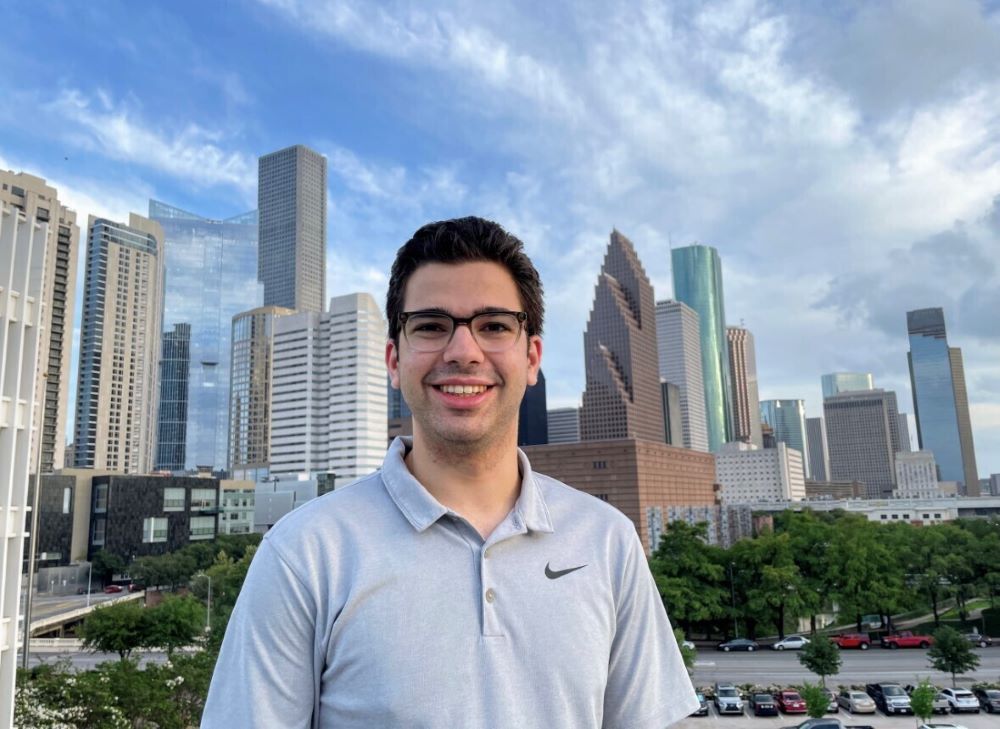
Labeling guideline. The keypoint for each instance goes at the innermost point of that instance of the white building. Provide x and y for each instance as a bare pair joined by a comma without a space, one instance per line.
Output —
916,475
328,399
679,345
750,474
726,524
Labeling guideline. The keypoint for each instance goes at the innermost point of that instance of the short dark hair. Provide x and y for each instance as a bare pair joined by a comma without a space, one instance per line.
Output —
460,241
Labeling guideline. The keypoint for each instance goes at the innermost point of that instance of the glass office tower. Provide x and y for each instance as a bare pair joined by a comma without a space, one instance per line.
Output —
175,366
211,276
838,382
940,401
697,272
787,419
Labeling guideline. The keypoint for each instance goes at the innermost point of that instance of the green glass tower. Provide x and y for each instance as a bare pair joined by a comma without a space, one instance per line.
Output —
697,273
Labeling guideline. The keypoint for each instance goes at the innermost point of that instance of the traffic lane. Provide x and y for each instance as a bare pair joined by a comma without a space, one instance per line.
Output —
47,606
857,667
85,660
879,721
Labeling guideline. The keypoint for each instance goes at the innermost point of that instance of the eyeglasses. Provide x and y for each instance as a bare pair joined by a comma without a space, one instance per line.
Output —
431,331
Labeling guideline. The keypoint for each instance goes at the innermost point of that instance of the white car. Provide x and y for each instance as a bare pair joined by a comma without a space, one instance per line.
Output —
791,643
961,700
941,726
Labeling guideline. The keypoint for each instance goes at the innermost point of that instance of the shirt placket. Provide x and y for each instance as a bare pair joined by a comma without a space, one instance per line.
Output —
491,592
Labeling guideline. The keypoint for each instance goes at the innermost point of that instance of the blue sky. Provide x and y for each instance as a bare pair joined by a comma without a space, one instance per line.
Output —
843,157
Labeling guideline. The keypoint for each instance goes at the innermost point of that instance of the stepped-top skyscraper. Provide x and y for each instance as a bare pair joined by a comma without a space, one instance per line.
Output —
291,197
622,397
697,272
940,400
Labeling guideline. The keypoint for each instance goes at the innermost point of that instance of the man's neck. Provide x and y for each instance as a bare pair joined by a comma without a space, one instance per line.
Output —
482,487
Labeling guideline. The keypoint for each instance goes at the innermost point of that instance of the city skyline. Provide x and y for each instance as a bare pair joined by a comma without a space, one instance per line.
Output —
895,174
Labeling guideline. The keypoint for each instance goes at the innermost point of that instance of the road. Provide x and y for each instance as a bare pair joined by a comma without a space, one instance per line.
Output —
83,660
43,606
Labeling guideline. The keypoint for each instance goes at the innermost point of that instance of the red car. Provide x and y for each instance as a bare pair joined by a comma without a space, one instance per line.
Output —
907,639
114,588
852,640
790,702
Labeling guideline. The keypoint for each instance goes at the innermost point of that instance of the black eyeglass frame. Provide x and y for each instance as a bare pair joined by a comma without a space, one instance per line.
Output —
521,316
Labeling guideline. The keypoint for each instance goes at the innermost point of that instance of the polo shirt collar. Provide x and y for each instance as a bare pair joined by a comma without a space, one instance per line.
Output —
421,509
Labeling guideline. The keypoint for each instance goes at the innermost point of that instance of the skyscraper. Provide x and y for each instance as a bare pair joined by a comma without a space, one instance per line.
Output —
940,401
862,435
291,201
743,376
175,368
211,276
679,343
564,425
819,453
697,272
787,419
118,390
838,382
622,395
533,417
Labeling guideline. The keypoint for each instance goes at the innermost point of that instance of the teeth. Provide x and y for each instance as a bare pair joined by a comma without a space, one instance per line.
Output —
463,389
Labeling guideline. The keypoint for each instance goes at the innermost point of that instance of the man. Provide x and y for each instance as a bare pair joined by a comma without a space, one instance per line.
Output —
455,587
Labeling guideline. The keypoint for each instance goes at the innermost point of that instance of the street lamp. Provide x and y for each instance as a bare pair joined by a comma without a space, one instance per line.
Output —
90,574
732,593
208,612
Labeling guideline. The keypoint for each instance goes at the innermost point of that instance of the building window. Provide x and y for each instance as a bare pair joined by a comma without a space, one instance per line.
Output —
67,497
97,537
203,498
937,516
600,464
173,498
202,527
154,529
602,497
100,498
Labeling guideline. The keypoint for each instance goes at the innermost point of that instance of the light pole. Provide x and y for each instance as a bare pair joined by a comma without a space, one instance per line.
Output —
208,612
90,574
732,594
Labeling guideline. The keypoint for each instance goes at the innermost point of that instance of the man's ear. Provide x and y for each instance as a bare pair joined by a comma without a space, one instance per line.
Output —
534,358
392,362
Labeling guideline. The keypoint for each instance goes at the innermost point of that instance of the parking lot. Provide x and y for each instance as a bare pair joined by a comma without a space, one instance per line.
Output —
879,721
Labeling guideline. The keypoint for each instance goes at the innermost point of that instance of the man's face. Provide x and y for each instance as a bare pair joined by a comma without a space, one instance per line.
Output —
463,422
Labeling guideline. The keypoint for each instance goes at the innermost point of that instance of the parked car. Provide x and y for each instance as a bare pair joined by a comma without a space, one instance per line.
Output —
961,700
763,705
989,699
791,643
907,639
940,705
738,644
790,702
983,641
852,640
856,702
832,707
114,588
688,644
702,709
941,726
890,698
825,723
727,699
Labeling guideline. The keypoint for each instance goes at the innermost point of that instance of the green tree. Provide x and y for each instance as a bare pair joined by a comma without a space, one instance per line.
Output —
174,623
810,537
926,565
687,653
815,698
821,657
688,574
119,628
105,565
922,699
952,653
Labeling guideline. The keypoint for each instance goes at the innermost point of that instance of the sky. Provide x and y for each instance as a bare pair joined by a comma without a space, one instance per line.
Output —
844,158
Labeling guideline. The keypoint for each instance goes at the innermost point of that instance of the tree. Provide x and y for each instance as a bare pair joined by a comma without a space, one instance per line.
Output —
688,574
687,653
810,536
174,623
105,565
952,653
821,657
815,698
119,628
922,699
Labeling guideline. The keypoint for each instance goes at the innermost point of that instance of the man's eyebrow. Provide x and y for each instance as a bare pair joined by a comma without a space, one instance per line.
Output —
480,310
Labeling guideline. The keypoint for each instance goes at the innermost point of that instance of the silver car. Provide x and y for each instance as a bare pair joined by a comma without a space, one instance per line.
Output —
729,701
856,702
961,700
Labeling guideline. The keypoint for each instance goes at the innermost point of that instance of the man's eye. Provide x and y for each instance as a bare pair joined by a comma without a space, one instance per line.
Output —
430,327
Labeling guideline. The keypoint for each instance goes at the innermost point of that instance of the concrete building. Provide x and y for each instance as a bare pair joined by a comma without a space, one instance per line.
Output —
211,275
118,390
838,382
819,453
940,400
863,436
697,274
743,378
890,511
291,201
916,476
533,417
726,524
564,425
640,478
750,474
679,347
250,392
835,490
622,396
328,400
904,433
787,419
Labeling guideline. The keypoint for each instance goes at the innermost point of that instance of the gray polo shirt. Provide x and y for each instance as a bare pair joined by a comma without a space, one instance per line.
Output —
376,606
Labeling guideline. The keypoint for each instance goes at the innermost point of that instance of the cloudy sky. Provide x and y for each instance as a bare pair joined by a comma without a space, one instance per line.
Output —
844,158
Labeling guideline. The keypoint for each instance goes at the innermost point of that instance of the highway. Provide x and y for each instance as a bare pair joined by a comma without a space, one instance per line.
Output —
43,606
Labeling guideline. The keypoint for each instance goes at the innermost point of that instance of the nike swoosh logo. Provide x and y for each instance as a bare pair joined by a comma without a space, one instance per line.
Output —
556,574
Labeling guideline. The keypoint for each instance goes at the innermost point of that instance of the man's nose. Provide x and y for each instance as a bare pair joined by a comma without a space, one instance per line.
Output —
463,346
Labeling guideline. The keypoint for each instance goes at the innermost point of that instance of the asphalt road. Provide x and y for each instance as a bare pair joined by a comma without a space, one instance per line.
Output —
43,606
83,660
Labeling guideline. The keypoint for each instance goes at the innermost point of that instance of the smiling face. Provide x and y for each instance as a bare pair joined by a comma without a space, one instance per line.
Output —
463,400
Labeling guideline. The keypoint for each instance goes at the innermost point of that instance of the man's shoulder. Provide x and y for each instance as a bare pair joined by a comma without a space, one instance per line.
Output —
584,508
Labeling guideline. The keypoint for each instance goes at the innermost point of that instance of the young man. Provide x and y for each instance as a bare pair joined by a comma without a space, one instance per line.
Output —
455,587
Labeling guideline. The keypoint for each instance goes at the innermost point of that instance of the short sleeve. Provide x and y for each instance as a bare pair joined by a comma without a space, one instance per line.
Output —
266,675
648,686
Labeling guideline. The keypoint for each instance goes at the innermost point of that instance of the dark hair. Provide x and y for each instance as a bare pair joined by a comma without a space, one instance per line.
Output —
459,241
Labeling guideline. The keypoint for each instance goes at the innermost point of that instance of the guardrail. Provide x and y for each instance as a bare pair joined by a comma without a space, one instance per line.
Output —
54,621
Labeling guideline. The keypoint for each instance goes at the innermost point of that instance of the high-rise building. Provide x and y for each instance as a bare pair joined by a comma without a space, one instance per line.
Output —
916,476
118,390
175,367
678,340
863,435
748,474
250,392
328,398
904,433
564,425
533,418
787,419
291,201
211,276
743,377
622,396
819,453
838,382
940,400
697,273
40,202
24,243
673,422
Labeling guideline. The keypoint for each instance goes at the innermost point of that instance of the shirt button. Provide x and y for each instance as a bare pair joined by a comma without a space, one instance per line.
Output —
490,595
516,523
486,554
